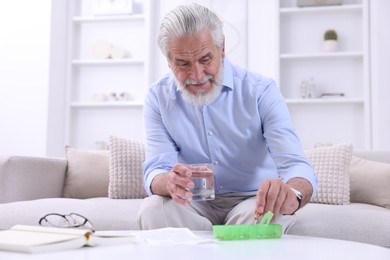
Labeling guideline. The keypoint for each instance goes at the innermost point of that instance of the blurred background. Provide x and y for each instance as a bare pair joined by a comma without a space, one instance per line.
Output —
75,72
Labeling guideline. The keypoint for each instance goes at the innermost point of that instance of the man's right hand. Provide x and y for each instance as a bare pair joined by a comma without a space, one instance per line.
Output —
175,184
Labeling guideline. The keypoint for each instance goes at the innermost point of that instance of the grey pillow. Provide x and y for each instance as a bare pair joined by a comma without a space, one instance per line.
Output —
370,182
87,173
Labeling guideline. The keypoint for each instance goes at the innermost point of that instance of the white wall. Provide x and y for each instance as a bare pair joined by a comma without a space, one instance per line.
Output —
380,73
24,74
55,141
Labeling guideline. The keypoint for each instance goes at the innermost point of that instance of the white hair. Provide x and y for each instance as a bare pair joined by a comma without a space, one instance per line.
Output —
187,20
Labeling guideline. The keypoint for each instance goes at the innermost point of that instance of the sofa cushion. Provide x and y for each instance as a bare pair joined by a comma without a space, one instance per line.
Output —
331,164
104,213
370,182
87,173
125,168
355,222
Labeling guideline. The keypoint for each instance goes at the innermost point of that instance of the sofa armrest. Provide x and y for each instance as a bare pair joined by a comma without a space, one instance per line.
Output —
29,178
378,156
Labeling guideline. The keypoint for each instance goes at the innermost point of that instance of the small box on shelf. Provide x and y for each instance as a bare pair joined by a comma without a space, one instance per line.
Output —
332,95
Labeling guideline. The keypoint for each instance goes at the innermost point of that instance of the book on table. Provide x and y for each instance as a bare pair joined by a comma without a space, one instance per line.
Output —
36,239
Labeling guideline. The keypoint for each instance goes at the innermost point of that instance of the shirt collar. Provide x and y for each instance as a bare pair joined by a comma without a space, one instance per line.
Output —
227,74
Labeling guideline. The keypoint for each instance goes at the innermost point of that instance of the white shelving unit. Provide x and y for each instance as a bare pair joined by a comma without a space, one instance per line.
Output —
92,111
301,57
286,43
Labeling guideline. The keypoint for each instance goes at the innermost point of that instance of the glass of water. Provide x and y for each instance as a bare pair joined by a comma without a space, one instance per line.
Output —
203,178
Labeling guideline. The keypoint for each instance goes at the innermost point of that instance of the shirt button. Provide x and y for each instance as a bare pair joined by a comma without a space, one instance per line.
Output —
221,187
210,133
216,162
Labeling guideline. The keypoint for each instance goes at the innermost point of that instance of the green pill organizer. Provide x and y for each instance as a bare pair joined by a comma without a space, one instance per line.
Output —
263,230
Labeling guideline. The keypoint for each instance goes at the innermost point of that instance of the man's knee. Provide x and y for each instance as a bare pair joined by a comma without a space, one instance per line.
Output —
150,208
151,205
159,212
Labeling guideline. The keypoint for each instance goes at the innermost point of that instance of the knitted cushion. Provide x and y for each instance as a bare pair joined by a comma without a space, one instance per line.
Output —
331,164
125,169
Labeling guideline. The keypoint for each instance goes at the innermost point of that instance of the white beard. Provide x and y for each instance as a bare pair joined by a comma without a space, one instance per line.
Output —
202,97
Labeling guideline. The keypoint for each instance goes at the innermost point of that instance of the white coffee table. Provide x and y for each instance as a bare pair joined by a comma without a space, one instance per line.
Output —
288,247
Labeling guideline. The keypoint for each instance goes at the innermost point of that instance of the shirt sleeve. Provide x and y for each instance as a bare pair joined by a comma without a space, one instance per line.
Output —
283,142
161,152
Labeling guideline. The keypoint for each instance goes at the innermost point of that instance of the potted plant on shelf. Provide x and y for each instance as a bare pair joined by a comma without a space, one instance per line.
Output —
330,41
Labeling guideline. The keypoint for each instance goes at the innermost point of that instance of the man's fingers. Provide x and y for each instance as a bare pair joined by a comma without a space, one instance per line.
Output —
271,196
182,170
179,184
261,197
179,194
181,200
179,180
280,201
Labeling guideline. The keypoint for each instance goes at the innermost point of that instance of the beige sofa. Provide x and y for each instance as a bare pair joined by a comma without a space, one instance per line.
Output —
31,187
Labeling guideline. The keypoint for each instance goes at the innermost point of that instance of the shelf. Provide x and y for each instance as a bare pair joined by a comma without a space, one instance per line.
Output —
300,56
300,101
322,9
321,55
113,104
90,109
107,62
99,19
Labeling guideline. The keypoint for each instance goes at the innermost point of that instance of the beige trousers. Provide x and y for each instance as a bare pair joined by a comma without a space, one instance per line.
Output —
159,212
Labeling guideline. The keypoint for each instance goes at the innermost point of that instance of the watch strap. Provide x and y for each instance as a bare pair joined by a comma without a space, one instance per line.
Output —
299,196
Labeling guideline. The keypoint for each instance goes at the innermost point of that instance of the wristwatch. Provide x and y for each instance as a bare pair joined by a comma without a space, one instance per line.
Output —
299,198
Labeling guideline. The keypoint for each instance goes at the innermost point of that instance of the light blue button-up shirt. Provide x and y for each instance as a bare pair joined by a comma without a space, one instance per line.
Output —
246,133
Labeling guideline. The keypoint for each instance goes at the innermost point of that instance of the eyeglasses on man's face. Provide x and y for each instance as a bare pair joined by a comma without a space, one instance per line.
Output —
72,220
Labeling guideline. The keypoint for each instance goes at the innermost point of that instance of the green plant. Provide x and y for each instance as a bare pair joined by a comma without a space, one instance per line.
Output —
330,35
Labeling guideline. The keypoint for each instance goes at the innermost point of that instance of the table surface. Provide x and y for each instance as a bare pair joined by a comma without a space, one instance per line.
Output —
288,247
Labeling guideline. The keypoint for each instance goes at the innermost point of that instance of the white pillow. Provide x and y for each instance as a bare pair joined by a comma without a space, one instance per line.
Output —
126,174
331,164
87,173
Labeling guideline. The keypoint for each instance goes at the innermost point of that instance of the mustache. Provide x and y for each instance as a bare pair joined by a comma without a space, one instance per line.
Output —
201,81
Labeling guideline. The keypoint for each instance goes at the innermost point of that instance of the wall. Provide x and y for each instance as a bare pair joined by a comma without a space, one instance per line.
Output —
57,80
24,74
380,76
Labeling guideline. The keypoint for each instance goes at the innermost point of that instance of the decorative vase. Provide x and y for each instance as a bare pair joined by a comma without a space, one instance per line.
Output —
330,45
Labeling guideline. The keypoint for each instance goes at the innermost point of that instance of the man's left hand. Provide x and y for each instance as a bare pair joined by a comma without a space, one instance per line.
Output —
277,197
